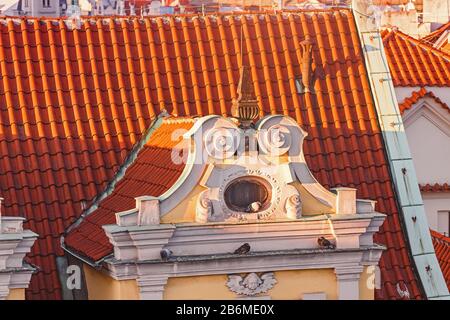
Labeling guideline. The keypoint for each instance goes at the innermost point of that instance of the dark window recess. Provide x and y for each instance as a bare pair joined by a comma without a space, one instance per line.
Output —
241,193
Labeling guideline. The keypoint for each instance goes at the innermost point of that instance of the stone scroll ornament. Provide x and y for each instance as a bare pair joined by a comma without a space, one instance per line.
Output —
222,143
276,140
204,207
294,207
251,284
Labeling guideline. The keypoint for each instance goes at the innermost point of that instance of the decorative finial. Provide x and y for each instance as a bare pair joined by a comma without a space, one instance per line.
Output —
245,107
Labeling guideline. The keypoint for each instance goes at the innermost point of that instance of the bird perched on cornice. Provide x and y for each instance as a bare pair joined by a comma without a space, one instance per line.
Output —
325,243
245,248
165,254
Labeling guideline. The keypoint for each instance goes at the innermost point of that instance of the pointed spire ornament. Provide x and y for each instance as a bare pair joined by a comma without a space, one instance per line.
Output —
245,107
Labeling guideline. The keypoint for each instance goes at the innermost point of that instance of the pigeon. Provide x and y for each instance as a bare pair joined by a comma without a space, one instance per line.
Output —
254,206
245,248
325,243
165,254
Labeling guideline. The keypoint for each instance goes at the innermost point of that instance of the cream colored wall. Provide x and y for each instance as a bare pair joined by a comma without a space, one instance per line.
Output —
310,205
290,285
185,210
101,286
430,149
434,202
436,11
16,294
367,284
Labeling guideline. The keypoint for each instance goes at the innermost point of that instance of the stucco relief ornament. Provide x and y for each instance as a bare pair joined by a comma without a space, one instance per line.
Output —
221,143
204,208
276,140
294,207
251,284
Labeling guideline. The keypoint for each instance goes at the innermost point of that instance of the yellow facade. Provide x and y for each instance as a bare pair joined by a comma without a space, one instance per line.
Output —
367,284
16,294
101,286
291,285
185,210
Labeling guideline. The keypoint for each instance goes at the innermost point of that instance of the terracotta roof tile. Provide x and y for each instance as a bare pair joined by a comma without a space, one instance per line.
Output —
413,62
63,131
436,34
191,66
409,102
442,247
152,173
437,187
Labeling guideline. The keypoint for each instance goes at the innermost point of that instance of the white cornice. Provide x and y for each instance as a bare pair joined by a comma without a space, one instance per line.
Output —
15,243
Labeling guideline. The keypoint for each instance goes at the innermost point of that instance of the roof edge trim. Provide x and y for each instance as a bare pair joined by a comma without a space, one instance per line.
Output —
408,195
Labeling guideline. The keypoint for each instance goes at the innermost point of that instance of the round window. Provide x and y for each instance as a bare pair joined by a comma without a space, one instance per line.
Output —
248,194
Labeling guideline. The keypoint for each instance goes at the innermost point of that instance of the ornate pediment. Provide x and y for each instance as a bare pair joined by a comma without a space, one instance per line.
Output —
234,174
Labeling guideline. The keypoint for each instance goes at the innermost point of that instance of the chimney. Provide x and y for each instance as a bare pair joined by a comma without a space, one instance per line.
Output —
306,64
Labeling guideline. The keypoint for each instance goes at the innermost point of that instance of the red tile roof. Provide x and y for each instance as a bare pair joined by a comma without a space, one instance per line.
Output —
195,66
413,62
437,187
409,102
442,247
436,34
152,173
69,115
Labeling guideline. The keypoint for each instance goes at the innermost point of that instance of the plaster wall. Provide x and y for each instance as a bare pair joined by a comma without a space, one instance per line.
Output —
16,294
430,149
101,286
290,285
435,202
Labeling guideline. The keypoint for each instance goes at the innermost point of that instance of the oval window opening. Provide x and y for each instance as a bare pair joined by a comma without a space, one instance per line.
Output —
247,194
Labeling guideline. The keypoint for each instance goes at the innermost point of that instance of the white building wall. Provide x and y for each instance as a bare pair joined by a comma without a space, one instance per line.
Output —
36,8
428,135
430,148
435,202
436,11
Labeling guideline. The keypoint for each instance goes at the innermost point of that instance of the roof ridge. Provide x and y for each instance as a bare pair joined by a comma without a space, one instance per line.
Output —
175,120
408,102
424,45
443,239
437,187
437,32
179,15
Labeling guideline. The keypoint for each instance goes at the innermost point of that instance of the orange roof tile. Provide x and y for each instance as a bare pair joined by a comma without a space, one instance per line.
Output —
69,116
192,64
409,102
442,247
437,187
152,173
436,34
414,63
